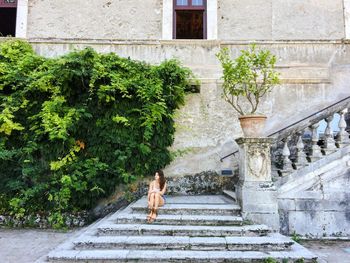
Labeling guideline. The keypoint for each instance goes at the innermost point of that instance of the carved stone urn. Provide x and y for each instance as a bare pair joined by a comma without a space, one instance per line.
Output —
253,125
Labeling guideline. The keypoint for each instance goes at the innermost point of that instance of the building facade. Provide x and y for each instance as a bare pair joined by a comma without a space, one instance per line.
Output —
311,39
167,19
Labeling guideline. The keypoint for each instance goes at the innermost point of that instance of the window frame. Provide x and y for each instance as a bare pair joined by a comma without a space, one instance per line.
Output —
190,7
8,5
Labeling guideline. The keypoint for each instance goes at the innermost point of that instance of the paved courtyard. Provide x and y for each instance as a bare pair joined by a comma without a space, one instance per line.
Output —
31,245
28,245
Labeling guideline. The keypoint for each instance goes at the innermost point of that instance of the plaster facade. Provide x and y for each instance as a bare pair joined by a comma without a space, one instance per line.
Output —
153,19
281,19
95,19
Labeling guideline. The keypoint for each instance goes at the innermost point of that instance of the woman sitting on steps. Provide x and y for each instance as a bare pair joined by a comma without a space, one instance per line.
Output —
156,196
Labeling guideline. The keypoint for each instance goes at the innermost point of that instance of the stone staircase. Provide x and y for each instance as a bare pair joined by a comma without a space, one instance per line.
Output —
188,229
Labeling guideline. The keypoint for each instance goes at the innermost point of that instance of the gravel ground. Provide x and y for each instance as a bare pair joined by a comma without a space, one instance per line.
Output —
30,245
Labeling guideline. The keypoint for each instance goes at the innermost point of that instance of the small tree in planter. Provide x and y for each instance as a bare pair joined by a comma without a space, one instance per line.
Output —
246,80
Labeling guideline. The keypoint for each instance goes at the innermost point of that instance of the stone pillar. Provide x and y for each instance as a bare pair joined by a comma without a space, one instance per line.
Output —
347,18
167,22
256,192
212,20
22,18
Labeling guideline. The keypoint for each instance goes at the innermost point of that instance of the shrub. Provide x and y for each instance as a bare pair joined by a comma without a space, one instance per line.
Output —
249,77
73,127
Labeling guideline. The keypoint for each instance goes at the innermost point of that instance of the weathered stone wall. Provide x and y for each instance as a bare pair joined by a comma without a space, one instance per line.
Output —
280,19
95,19
314,75
138,19
315,202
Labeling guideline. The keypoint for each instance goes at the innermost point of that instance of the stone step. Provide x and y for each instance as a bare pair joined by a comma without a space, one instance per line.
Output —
230,194
191,200
174,230
184,243
205,220
297,252
191,209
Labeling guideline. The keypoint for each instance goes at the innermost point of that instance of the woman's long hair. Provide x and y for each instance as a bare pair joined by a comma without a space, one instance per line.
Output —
161,179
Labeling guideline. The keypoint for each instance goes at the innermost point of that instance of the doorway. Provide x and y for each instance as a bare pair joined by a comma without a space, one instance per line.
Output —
8,16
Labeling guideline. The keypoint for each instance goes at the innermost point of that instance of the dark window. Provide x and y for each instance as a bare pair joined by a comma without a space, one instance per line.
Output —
8,13
190,19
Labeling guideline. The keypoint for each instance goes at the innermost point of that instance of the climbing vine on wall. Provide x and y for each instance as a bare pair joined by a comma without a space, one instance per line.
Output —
74,127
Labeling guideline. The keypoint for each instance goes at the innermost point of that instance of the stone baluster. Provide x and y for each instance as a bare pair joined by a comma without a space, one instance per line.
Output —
315,153
343,136
287,163
347,120
300,160
329,142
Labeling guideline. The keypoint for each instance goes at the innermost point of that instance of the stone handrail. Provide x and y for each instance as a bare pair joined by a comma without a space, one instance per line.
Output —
311,119
306,122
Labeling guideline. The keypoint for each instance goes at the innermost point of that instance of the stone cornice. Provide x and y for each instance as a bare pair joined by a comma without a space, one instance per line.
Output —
182,42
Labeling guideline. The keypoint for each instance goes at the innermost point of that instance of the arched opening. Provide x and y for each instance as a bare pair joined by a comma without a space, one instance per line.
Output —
190,19
8,17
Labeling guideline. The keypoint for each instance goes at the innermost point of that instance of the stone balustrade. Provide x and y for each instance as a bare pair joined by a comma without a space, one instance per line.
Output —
299,147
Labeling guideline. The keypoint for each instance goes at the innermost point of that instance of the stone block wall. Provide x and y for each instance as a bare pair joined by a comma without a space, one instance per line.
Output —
316,217
315,202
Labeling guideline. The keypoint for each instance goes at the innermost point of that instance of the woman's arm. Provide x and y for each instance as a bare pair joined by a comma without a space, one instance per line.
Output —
163,190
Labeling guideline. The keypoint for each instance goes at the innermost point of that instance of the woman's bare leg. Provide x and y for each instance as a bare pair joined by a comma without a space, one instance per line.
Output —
151,204
159,201
152,200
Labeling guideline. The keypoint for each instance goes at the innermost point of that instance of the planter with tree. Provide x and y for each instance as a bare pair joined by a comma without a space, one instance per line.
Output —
246,80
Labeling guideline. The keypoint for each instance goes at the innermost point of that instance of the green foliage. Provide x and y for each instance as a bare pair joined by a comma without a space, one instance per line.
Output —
270,260
74,127
249,76
296,237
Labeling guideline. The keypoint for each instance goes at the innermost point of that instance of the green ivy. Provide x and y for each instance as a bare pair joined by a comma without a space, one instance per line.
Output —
74,127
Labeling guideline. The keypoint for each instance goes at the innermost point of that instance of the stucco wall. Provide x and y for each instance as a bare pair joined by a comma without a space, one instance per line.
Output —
95,19
138,19
280,19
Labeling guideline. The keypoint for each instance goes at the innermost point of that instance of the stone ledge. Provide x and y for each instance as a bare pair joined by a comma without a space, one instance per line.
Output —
202,42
